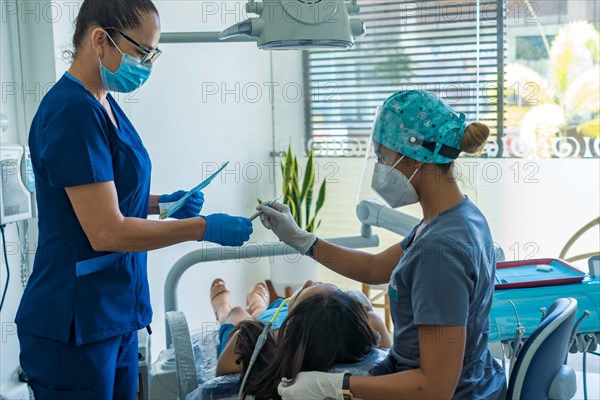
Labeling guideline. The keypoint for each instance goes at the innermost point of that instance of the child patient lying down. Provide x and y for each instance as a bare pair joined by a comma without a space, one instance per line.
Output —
319,327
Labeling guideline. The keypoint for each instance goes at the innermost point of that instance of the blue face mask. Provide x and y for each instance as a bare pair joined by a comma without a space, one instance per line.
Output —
130,76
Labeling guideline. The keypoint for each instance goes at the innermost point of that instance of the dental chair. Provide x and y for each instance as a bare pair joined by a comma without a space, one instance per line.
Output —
194,356
540,370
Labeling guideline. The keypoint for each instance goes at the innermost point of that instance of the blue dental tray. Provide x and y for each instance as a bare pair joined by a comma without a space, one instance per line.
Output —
525,274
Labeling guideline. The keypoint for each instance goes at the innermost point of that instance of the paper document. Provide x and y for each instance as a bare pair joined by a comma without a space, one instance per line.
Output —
169,208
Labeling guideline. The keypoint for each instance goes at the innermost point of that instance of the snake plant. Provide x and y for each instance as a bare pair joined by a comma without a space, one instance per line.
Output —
299,197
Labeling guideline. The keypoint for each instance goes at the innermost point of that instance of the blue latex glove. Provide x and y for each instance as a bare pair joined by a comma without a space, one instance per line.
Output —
226,230
192,206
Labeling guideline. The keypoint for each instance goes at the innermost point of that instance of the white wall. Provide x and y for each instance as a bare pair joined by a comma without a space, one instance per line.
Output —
9,345
533,206
26,32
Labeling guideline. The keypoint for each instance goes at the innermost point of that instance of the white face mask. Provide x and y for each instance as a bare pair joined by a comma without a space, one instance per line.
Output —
393,186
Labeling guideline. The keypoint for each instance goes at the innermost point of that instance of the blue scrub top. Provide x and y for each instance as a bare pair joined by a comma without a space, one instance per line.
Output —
74,290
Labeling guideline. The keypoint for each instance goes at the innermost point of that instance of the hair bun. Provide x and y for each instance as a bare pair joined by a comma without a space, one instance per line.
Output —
475,138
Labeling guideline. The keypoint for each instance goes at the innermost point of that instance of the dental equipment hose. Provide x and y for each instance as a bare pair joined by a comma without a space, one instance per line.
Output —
24,250
586,346
260,343
588,341
518,340
7,268
573,338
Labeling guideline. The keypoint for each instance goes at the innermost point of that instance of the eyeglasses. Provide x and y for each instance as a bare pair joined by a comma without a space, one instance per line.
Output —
149,56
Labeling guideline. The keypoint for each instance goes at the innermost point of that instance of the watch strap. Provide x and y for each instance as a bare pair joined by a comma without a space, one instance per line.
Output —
311,250
346,392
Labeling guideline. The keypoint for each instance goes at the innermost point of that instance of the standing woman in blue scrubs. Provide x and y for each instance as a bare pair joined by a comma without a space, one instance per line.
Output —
88,293
441,276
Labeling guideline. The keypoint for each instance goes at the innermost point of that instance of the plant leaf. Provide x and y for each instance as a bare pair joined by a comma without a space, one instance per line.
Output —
309,176
590,128
574,49
293,209
321,198
311,225
583,94
295,193
284,185
309,201
289,165
294,198
286,172
309,183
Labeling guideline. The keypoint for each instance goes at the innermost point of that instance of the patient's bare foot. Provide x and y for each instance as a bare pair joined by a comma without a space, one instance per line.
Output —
219,299
257,299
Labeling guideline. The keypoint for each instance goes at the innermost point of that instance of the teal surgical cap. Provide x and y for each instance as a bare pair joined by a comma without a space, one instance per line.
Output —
421,126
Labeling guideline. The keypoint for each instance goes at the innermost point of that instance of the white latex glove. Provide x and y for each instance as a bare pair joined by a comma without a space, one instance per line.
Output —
312,386
279,219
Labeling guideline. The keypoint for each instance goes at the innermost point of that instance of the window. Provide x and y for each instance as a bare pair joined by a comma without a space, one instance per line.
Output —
454,49
541,58
552,79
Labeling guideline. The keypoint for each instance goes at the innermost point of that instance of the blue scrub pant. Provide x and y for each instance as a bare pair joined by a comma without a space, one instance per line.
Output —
96,371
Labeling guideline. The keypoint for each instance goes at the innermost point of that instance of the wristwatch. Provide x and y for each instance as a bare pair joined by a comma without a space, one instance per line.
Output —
346,392
311,250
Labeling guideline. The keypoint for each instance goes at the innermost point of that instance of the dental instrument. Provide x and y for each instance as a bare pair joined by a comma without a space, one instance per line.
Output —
259,213
260,343
172,208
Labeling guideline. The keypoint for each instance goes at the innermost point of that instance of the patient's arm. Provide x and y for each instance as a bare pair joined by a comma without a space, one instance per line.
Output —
227,361
377,324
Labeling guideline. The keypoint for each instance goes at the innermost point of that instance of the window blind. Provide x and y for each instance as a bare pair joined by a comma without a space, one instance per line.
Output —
452,48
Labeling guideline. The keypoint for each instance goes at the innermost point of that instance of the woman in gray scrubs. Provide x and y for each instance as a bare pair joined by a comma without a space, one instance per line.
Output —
441,276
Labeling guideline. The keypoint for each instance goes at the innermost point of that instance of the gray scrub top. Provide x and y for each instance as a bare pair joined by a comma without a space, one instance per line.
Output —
446,277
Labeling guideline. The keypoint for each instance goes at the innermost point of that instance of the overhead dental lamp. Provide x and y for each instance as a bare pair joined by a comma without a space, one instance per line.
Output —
300,24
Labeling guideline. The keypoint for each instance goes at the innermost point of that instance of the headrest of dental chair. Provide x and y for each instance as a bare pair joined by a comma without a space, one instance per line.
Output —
184,355
540,372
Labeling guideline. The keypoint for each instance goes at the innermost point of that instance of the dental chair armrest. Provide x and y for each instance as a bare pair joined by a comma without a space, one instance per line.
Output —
187,380
564,384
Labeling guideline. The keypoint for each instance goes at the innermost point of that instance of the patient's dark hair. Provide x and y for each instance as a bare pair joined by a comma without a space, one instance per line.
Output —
323,330
248,332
